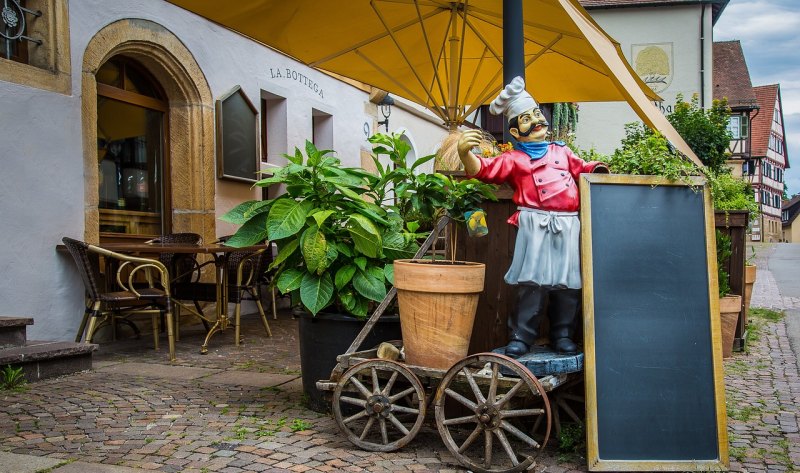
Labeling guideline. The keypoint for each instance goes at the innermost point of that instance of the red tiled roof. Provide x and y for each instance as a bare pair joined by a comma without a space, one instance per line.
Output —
730,75
718,5
761,125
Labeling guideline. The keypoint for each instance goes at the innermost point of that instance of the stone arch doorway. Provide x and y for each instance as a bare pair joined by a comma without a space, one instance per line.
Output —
190,136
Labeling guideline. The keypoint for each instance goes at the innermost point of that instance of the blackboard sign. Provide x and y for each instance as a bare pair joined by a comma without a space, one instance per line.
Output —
237,143
654,378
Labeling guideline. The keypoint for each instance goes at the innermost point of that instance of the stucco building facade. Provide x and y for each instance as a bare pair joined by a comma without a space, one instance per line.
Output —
791,226
769,151
114,84
668,43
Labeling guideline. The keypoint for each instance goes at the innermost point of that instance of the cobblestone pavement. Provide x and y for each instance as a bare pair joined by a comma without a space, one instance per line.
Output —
240,409
763,387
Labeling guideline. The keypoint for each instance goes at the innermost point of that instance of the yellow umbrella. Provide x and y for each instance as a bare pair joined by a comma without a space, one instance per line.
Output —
446,55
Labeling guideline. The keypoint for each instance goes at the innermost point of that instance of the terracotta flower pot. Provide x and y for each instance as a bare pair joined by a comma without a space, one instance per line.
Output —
729,308
749,280
438,301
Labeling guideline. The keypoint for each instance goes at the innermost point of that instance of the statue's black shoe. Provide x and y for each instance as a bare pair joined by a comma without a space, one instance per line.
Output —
565,346
517,348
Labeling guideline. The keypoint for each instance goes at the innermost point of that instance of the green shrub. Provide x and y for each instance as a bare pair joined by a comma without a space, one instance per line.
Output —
705,131
723,255
648,153
731,193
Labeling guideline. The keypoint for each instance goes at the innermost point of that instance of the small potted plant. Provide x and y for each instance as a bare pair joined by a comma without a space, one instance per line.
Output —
437,298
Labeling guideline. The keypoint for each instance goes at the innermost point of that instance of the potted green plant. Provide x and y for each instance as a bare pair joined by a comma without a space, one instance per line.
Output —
338,231
335,251
437,298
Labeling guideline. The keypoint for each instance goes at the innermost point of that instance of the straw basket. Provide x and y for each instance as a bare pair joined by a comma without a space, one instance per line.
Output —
438,301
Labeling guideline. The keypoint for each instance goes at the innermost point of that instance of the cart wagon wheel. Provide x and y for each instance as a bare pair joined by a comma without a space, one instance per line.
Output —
497,391
379,404
567,403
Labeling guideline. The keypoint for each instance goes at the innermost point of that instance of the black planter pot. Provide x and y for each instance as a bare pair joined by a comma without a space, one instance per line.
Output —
326,336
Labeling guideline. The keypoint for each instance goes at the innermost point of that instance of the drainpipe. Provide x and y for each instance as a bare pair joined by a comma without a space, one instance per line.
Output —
702,55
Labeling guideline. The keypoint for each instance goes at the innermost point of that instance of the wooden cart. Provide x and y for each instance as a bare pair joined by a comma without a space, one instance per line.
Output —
492,413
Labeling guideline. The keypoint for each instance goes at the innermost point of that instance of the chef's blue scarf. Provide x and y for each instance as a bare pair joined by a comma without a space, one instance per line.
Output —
535,149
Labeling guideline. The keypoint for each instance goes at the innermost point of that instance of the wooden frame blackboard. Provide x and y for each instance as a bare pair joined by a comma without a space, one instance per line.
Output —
237,137
655,397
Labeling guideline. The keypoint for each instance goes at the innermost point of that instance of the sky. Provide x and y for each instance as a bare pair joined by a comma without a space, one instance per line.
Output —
769,31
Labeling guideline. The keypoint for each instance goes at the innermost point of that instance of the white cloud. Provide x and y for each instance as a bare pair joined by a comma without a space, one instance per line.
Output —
758,20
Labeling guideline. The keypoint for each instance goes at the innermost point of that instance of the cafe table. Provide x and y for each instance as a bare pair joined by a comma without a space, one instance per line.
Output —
219,253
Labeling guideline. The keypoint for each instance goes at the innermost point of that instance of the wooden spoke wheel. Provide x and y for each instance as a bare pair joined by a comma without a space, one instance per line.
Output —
379,405
484,406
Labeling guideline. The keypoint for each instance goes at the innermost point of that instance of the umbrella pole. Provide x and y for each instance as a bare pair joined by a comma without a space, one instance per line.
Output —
513,49
454,40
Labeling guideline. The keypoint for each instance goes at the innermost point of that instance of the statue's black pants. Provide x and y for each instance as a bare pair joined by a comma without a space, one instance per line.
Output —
563,305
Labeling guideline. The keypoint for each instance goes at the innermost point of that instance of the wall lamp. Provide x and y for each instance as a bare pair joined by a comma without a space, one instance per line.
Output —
386,109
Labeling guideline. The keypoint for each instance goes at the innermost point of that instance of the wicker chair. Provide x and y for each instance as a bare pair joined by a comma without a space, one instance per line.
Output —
245,272
180,266
185,270
108,307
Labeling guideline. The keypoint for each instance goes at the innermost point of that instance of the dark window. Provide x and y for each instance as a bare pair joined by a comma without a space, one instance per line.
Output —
15,30
264,136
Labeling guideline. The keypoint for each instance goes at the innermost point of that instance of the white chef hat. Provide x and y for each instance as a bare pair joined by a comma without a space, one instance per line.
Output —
513,100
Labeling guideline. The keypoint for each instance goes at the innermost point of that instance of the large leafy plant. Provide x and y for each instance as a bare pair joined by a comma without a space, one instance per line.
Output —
335,247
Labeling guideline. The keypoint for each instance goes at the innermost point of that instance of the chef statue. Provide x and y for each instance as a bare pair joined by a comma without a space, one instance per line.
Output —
546,265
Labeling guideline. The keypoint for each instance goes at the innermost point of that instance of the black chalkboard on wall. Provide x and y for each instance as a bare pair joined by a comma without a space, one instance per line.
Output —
237,137
654,379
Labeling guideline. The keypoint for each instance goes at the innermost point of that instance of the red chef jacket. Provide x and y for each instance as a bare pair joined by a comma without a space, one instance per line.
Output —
547,183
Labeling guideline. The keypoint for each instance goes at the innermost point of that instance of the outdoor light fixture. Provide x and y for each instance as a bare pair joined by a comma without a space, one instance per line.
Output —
386,109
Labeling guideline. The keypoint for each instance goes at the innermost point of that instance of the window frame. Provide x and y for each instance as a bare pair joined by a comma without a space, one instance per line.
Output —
48,66
144,101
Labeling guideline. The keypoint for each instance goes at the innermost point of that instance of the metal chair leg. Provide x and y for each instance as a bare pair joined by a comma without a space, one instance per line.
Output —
274,309
200,311
264,316
82,327
170,330
93,321
176,313
237,312
155,320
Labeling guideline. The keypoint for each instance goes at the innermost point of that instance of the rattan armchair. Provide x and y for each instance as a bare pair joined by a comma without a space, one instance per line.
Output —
180,266
185,271
245,271
106,306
